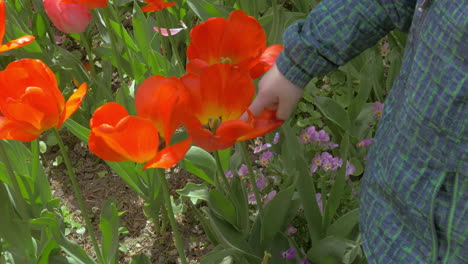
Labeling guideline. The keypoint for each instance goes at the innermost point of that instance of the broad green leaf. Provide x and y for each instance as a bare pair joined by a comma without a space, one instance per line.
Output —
336,193
222,207
230,238
217,255
329,250
195,192
201,163
109,227
333,111
275,214
205,9
344,225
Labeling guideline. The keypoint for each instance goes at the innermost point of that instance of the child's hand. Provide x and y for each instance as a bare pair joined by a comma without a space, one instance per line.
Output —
276,92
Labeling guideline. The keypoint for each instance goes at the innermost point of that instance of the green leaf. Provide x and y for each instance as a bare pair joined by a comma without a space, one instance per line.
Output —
200,163
109,227
195,192
275,214
344,225
75,252
39,25
205,9
141,259
230,238
222,207
329,250
336,193
217,255
333,111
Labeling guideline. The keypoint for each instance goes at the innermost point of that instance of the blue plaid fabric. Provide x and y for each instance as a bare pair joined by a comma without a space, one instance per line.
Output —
414,200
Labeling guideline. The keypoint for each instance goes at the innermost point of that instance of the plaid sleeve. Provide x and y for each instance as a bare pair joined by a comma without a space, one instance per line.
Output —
336,31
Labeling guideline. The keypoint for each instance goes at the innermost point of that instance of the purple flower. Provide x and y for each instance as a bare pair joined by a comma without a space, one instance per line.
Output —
243,171
261,147
377,108
265,158
269,196
251,197
304,261
323,136
335,163
350,169
326,161
291,230
316,162
332,145
365,143
318,197
228,174
289,254
304,137
276,138
261,182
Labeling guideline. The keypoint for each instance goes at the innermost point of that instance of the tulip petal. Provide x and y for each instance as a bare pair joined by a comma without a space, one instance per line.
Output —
156,5
132,138
236,40
161,100
91,4
169,156
2,20
262,124
243,38
73,103
17,130
223,92
266,61
17,43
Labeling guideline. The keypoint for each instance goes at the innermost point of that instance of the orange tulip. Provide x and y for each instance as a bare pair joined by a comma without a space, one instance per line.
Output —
91,4
238,40
117,136
156,5
30,101
162,100
218,98
14,43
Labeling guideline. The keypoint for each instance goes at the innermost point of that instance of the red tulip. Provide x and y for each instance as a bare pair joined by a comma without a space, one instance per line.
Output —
30,101
14,43
156,5
218,98
69,18
162,100
91,4
238,40
117,136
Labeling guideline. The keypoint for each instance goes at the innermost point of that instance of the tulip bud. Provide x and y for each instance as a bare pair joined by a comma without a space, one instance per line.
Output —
69,18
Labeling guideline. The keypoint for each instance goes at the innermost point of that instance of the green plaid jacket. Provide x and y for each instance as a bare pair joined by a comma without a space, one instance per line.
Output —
414,199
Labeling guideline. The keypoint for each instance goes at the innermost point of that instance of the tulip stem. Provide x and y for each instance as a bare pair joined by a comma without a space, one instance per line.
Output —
170,214
220,169
79,196
86,44
35,156
253,182
172,45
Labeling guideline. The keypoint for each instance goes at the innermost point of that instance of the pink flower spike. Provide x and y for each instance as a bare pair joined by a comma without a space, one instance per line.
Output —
173,31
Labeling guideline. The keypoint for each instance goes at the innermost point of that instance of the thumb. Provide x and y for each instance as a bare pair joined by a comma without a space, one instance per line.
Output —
259,104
